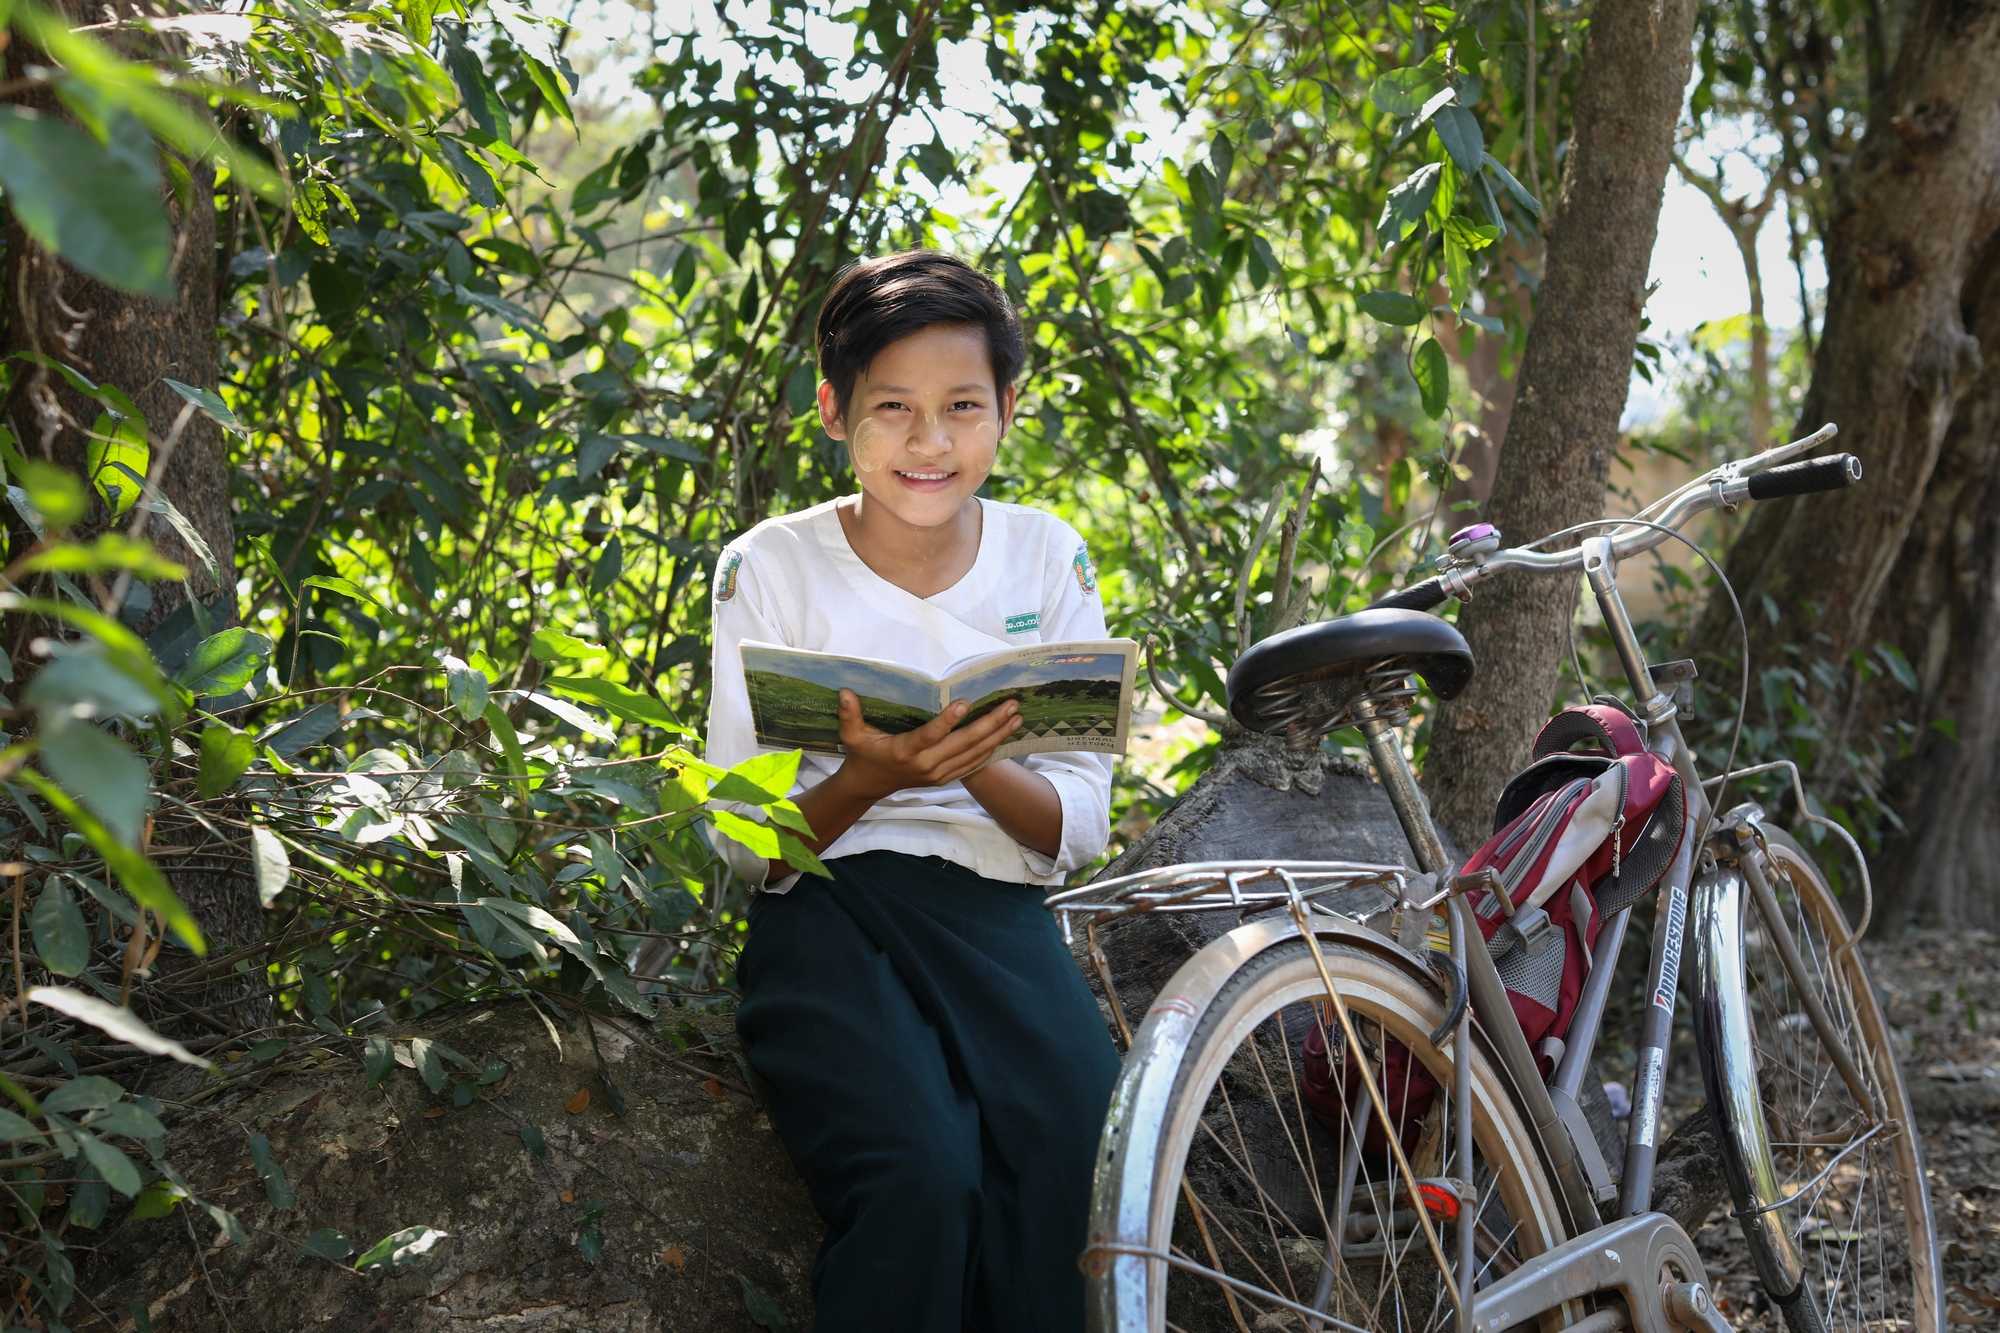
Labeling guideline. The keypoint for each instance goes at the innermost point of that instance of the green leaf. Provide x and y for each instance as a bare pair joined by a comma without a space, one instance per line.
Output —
1406,204
54,492
157,1200
549,85
326,1243
102,772
424,1051
276,1188
610,564
759,838
273,865
225,662
1402,92
801,857
1458,130
110,552
765,1312
117,457
216,410
1512,186
510,745
466,686
141,878
619,701
1433,375
399,1248
14,1128
549,645
62,940
532,1140
378,1058
99,209
114,1166
129,1119
110,1019
760,779
538,917
573,715
1398,308
1472,235
90,1093
345,587
225,756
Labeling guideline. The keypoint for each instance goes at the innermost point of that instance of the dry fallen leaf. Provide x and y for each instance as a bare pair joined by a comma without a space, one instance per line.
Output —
713,1087
673,1258
434,1112
579,1103
568,1196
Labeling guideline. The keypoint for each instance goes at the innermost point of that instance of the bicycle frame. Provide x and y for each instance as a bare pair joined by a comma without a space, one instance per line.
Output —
1719,871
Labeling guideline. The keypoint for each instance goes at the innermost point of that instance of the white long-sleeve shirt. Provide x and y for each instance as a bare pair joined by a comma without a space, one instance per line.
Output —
795,580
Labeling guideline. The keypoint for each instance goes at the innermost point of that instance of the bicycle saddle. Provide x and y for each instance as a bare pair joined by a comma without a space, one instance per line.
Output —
1312,676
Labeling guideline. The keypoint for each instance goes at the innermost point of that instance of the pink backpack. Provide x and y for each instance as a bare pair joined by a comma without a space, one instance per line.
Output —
1581,833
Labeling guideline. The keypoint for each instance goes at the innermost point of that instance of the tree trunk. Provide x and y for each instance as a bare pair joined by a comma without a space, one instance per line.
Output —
1944,615
1574,377
134,343
1896,366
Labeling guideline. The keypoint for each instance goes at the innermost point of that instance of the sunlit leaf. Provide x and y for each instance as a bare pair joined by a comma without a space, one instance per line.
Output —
225,662
225,755
113,1021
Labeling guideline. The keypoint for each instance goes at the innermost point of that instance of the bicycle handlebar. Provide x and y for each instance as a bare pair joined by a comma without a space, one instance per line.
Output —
1417,597
1821,474
1728,486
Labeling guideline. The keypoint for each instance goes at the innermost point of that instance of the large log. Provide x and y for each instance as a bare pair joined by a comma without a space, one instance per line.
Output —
701,1221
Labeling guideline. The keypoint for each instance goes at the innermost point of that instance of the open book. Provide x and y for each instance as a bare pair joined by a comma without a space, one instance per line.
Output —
1073,696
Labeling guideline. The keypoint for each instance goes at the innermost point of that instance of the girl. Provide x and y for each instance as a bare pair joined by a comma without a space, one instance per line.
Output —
936,1066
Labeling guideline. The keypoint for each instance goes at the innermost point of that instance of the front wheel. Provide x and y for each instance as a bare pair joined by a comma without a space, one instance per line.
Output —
1250,1199
1851,1201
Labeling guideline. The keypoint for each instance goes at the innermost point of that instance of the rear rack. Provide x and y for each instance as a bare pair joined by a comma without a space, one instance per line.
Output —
1241,886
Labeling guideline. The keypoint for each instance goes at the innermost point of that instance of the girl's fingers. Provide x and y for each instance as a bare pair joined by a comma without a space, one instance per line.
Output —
987,732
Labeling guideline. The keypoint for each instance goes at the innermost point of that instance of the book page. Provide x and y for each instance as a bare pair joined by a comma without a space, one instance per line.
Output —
1073,696
795,695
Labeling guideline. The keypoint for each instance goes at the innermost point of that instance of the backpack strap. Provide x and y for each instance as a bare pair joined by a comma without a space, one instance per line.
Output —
1590,724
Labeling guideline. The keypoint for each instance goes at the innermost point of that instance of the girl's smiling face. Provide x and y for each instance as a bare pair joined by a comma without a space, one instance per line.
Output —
923,423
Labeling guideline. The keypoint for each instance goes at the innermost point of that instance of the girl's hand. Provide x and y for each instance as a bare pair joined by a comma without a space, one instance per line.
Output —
879,764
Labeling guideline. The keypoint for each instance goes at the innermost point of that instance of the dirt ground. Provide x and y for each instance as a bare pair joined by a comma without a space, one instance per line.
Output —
1941,996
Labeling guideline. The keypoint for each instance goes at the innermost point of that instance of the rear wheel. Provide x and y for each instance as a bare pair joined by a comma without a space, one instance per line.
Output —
1860,1217
1263,1212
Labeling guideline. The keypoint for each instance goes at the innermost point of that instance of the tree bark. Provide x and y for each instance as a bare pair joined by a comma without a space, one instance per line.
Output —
1889,561
1574,377
134,343
1944,615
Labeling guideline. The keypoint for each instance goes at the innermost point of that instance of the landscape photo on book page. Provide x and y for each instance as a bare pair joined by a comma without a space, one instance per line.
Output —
1073,696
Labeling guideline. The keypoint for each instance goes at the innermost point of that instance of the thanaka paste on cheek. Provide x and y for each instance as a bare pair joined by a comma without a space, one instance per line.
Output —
871,445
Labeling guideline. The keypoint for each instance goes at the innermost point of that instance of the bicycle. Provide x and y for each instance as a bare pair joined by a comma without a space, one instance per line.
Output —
1223,1202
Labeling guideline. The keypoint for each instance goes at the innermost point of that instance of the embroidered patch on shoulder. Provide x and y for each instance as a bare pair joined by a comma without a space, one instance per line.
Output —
725,579
1086,573
1024,623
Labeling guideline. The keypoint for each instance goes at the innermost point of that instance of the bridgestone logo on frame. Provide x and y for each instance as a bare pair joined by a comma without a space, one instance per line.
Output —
1670,960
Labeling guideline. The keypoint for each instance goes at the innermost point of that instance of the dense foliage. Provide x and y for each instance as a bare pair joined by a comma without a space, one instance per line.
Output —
513,319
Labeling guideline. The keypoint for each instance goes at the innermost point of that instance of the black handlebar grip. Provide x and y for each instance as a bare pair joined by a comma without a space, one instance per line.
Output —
1417,597
1819,474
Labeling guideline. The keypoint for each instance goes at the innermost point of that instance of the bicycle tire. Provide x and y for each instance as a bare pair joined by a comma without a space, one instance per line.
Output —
1809,1106
1131,1294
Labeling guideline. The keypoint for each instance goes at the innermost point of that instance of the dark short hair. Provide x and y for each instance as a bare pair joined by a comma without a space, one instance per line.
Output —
875,302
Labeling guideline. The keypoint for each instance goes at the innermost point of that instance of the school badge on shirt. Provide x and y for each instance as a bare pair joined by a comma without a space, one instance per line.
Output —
725,581
1025,623
1086,573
